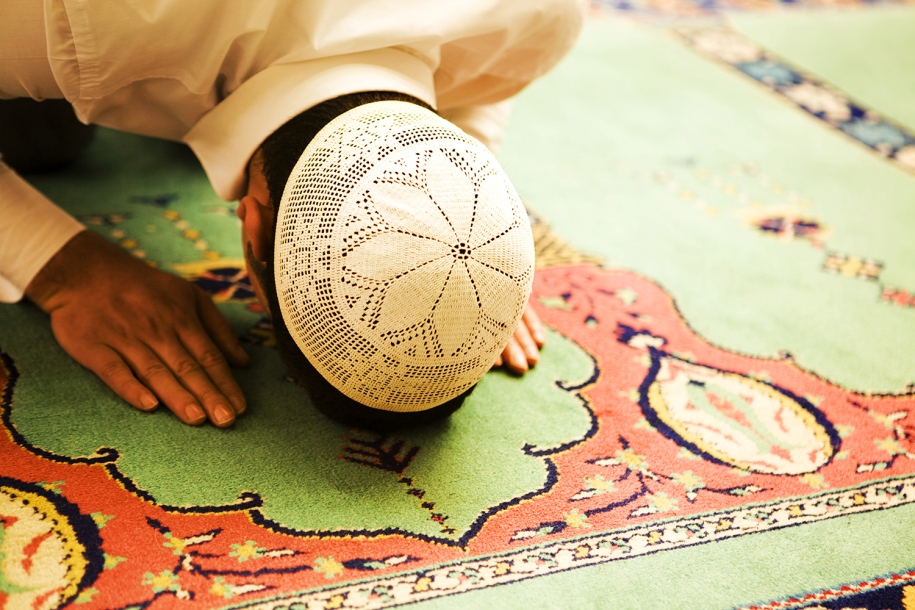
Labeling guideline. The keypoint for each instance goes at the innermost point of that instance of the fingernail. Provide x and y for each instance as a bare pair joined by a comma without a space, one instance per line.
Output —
148,402
239,403
222,415
517,359
194,414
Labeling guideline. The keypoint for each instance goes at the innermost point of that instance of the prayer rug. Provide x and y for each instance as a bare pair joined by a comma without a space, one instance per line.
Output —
723,416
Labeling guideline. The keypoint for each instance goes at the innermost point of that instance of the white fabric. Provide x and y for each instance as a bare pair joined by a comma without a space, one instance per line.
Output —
164,68
222,77
485,123
22,255
24,71
404,257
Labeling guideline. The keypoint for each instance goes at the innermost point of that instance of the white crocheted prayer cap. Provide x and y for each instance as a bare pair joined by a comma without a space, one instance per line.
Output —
403,257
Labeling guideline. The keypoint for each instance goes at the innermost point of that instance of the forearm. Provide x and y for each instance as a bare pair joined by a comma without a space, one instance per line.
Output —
32,231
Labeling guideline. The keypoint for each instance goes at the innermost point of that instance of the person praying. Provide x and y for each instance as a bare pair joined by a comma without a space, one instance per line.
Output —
379,231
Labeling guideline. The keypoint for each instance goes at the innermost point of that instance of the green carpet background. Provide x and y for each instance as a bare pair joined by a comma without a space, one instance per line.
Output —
865,53
635,103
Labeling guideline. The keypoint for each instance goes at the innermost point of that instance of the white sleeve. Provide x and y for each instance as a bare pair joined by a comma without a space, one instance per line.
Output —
486,123
32,230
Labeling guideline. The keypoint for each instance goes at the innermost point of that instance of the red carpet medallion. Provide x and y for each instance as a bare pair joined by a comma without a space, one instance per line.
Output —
688,444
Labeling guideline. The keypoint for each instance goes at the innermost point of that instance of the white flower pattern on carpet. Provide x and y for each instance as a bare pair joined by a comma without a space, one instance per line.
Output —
727,46
818,99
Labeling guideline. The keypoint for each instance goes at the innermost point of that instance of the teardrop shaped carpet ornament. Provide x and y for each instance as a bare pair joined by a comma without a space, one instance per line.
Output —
734,419
51,552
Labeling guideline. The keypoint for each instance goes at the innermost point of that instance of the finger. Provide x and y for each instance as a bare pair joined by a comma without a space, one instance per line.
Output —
498,361
210,358
534,326
160,378
114,372
191,372
526,343
514,357
219,330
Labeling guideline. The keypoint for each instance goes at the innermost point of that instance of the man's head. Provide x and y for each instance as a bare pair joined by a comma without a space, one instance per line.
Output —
394,257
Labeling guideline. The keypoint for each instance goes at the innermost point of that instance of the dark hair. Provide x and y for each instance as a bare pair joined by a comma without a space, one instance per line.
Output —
280,152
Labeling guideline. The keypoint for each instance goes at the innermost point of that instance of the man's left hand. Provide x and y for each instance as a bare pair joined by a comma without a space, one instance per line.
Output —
523,349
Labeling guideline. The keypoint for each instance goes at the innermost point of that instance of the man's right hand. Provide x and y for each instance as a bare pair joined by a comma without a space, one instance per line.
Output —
149,335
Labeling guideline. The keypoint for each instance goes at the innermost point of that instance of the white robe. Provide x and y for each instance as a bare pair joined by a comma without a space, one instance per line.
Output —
222,76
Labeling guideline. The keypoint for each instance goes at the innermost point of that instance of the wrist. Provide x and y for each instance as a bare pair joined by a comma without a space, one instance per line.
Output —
64,271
